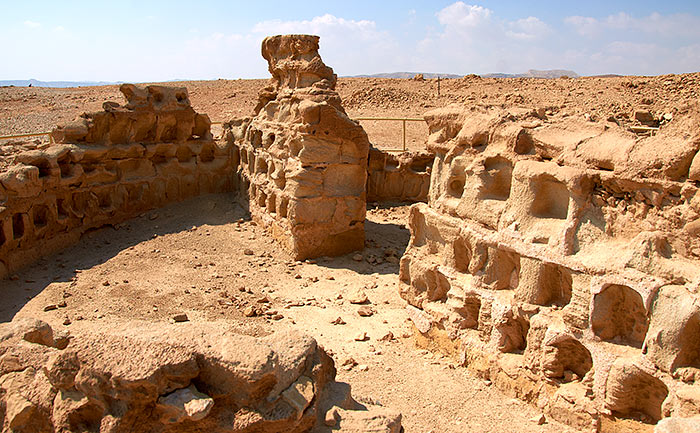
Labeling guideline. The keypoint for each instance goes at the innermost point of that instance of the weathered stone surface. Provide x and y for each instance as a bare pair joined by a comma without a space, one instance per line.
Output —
107,167
303,161
152,114
402,177
142,377
678,425
550,252
185,404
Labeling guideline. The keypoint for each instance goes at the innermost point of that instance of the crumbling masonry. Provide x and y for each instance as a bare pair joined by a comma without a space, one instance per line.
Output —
561,259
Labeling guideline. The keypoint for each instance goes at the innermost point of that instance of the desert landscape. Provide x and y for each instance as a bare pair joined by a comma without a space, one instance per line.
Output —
242,255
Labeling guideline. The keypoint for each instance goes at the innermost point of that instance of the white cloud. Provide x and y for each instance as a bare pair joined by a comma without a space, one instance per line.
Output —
527,28
32,24
473,38
674,25
460,16
326,24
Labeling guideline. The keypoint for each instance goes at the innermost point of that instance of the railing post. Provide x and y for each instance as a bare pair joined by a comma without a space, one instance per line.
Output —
404,134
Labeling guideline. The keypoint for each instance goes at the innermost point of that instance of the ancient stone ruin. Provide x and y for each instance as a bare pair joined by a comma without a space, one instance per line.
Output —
304,164
196,377
403,177
561,260
303,161
558,258
107,167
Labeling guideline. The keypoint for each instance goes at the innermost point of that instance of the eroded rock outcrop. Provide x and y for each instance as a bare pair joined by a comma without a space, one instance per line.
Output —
562,256
186,377
303,162
107,167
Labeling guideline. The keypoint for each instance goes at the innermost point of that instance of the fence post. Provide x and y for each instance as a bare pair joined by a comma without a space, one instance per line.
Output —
404,134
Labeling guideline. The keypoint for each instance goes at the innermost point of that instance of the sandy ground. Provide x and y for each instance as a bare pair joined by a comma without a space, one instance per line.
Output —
205,258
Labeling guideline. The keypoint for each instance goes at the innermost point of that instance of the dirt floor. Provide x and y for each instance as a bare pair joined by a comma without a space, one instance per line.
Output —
205,258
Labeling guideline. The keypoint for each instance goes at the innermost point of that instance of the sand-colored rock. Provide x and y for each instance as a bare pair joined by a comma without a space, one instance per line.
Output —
122,161
187,377
303,162
549,249
398,177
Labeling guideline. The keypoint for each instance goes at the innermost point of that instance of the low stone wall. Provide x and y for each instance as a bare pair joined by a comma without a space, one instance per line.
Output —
303,161
403,177
561,259
105,168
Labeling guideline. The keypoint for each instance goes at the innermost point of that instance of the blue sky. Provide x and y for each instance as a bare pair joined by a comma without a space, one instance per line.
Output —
162,40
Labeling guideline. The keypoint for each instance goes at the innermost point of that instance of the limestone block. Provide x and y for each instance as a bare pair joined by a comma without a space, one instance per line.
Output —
311,211
315,151
99,381
678,425
694,172
22,180
673,339
630,389
184,404
344,180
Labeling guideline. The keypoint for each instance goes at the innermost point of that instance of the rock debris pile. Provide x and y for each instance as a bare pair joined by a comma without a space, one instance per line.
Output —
188,377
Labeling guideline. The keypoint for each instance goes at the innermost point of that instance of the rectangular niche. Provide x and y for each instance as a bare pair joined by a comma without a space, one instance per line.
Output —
550,198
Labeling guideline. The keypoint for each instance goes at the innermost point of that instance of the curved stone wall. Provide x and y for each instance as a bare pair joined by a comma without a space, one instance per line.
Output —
107,167
403,177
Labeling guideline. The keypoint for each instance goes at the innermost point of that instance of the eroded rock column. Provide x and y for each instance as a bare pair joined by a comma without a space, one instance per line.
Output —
303,161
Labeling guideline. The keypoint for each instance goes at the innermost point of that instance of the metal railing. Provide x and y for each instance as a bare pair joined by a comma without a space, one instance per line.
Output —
35,134
403,121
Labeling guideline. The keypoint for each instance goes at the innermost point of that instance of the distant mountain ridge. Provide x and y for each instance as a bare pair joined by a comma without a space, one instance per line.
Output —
62,84
532,73
407,75
535,73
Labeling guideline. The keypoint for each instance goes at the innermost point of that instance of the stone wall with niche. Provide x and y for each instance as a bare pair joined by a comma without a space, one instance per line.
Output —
303,161
562,258
106,167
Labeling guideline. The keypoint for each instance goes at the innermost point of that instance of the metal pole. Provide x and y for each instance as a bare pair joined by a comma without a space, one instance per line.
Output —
404,134
438,85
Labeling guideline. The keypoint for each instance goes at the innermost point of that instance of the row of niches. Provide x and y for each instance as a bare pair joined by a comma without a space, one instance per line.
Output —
61,192
618,313
540,340
458,271
68,163
272,202
28,223
543,203
262,165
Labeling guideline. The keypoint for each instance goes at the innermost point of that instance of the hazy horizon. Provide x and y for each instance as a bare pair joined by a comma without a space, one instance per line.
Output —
159,41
